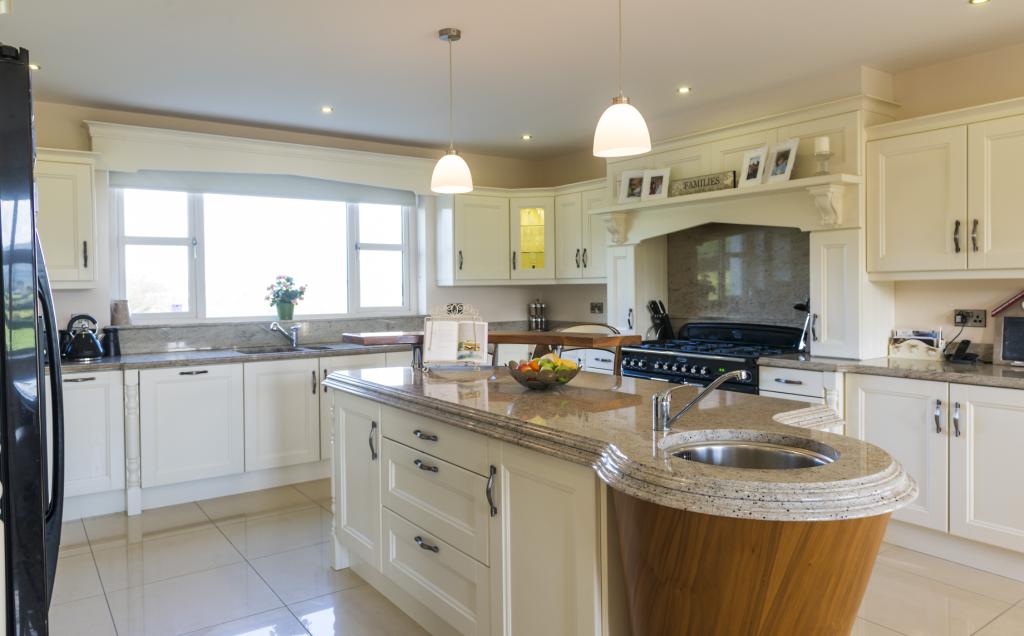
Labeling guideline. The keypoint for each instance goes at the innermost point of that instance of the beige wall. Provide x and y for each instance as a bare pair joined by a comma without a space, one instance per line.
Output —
930,304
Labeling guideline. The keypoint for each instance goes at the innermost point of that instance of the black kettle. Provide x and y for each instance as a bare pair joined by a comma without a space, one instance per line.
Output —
79,341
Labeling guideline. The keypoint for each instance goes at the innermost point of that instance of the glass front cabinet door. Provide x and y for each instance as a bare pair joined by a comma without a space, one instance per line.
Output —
532,229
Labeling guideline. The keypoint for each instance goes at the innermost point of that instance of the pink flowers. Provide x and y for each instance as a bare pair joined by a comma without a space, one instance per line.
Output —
285,291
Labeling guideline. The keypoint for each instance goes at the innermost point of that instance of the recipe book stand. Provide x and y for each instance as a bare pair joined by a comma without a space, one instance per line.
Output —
467,348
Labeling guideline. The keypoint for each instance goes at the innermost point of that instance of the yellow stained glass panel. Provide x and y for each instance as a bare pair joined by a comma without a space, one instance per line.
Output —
531,238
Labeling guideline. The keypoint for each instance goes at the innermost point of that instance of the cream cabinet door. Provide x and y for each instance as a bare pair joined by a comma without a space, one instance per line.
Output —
909,420
996,190
67,223
917,202
595,236
547,571
622,289
569,236
356,474
329,366
282,413
986,473
481,238
532,231
93,432
397,359
191,421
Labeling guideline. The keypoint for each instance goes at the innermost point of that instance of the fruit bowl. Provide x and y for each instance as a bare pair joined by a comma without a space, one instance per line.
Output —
544,378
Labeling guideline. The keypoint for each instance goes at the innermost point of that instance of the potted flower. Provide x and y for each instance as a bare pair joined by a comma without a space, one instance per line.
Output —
285,294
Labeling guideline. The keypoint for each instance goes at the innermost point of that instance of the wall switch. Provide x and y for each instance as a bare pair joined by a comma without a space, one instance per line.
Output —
597,308
969,317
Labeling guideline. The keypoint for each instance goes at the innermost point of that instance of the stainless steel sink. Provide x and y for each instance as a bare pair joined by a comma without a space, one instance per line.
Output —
315,347
751,454
271,349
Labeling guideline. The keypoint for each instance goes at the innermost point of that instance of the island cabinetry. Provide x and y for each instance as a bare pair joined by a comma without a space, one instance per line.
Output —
356,473
282,413
329,366
191,421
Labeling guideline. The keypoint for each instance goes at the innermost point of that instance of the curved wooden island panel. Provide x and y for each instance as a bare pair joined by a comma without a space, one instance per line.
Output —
692,573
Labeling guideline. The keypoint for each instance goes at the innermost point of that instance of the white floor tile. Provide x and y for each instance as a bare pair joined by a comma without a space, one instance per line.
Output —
920,606
862,627
87,616
72,539
304,573
163,558
318,490
279,622
360,610
257,503
961,576
76,579
1010,623
261,536
120,529
191,602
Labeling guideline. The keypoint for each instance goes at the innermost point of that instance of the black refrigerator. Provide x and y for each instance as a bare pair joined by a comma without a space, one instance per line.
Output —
31,449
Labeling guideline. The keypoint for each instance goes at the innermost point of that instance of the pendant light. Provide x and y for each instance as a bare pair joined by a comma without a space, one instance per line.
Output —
451,174
621,131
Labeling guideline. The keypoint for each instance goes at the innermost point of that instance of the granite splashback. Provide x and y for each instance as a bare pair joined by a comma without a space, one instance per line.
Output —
738,273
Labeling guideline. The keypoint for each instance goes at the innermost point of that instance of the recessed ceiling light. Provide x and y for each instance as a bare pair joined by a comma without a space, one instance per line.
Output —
327,110
526,137
684,90
977,1
34,67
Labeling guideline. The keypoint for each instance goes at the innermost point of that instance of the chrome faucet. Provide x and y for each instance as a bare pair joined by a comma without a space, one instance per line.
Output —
292,334
661,403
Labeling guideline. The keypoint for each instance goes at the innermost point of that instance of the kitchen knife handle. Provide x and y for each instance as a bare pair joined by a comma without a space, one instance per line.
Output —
956,237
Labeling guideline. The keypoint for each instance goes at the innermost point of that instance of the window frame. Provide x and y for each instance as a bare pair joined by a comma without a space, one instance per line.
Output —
197,266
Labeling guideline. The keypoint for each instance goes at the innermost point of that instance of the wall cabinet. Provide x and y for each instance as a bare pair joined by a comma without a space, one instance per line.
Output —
191,423
355,470
481,247
67,217
996,194
532,235
580,239
337,363
282,413
636,274
93,432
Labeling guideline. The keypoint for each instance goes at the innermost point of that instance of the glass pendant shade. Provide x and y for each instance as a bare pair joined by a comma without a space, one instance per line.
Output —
621,131
451,175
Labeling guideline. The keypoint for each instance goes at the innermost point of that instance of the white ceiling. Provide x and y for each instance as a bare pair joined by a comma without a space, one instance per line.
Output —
546,67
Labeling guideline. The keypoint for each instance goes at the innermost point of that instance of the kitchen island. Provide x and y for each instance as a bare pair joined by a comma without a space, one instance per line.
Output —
505,495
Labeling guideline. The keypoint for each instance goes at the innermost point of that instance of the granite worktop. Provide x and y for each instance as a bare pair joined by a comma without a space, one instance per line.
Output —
980,374
605,422
215,356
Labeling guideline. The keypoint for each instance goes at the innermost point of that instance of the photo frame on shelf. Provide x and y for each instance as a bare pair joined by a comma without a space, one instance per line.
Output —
781,160
655,184
631,186
752,169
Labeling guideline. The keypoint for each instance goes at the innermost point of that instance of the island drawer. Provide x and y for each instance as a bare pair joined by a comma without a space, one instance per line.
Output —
448,501
794,381
462,448
452,585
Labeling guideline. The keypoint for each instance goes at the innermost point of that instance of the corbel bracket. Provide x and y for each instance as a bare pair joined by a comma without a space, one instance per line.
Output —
829,201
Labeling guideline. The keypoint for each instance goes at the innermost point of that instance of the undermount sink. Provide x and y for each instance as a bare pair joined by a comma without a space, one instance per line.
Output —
271,349
751,454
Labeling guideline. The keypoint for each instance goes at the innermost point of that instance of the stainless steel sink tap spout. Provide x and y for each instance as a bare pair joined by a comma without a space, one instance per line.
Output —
292,334
661,403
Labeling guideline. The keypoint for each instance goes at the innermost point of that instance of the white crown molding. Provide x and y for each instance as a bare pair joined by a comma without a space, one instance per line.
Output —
948,119
132,148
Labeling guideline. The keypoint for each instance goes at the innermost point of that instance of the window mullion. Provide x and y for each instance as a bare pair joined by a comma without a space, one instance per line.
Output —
352,251
197,252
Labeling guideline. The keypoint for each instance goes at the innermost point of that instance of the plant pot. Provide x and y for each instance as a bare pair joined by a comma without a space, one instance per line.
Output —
285,311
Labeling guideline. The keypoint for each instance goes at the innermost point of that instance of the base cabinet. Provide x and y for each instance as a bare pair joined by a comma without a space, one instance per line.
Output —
93,432
282,413
355,472
180,406
329,366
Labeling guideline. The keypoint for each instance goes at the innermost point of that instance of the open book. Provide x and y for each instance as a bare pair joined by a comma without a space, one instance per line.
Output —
462,341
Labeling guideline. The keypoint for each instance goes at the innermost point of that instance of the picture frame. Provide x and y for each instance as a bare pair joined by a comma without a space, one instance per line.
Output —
656,184
781,160
631,186
752,168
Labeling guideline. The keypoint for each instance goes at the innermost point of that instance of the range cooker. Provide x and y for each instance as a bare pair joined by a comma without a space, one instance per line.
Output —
706,350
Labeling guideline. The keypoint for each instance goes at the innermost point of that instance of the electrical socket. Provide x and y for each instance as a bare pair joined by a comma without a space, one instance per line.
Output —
597,308
970,317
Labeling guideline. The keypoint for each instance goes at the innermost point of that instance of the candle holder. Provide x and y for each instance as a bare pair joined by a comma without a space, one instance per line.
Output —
823,159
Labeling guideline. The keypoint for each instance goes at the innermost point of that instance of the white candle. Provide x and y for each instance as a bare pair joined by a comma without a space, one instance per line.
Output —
822,145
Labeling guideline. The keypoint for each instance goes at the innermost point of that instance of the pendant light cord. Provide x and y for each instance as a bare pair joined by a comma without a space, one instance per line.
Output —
620,48
451,98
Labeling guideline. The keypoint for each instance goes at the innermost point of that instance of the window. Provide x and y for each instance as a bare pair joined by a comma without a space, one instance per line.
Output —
199,256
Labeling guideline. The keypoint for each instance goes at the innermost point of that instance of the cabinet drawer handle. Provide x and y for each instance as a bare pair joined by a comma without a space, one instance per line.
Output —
426,437
79,379
584,258
956,237
193,372
974,235
85,253
577,258
603,359
938,416
314,381
513,261
460,259
426,546
490,491
629,318
956,419
427,467
788,381
373,449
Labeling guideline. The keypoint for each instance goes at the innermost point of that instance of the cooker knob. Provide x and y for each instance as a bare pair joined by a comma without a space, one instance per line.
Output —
703,370
641,364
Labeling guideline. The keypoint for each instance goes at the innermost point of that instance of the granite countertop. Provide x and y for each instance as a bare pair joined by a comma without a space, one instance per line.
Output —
605,422
981,374
215,356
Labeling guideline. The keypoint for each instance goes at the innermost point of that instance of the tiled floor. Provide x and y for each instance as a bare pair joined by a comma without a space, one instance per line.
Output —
258,564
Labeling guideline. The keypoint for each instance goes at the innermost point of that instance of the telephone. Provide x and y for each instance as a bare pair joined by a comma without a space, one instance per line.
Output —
961,355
